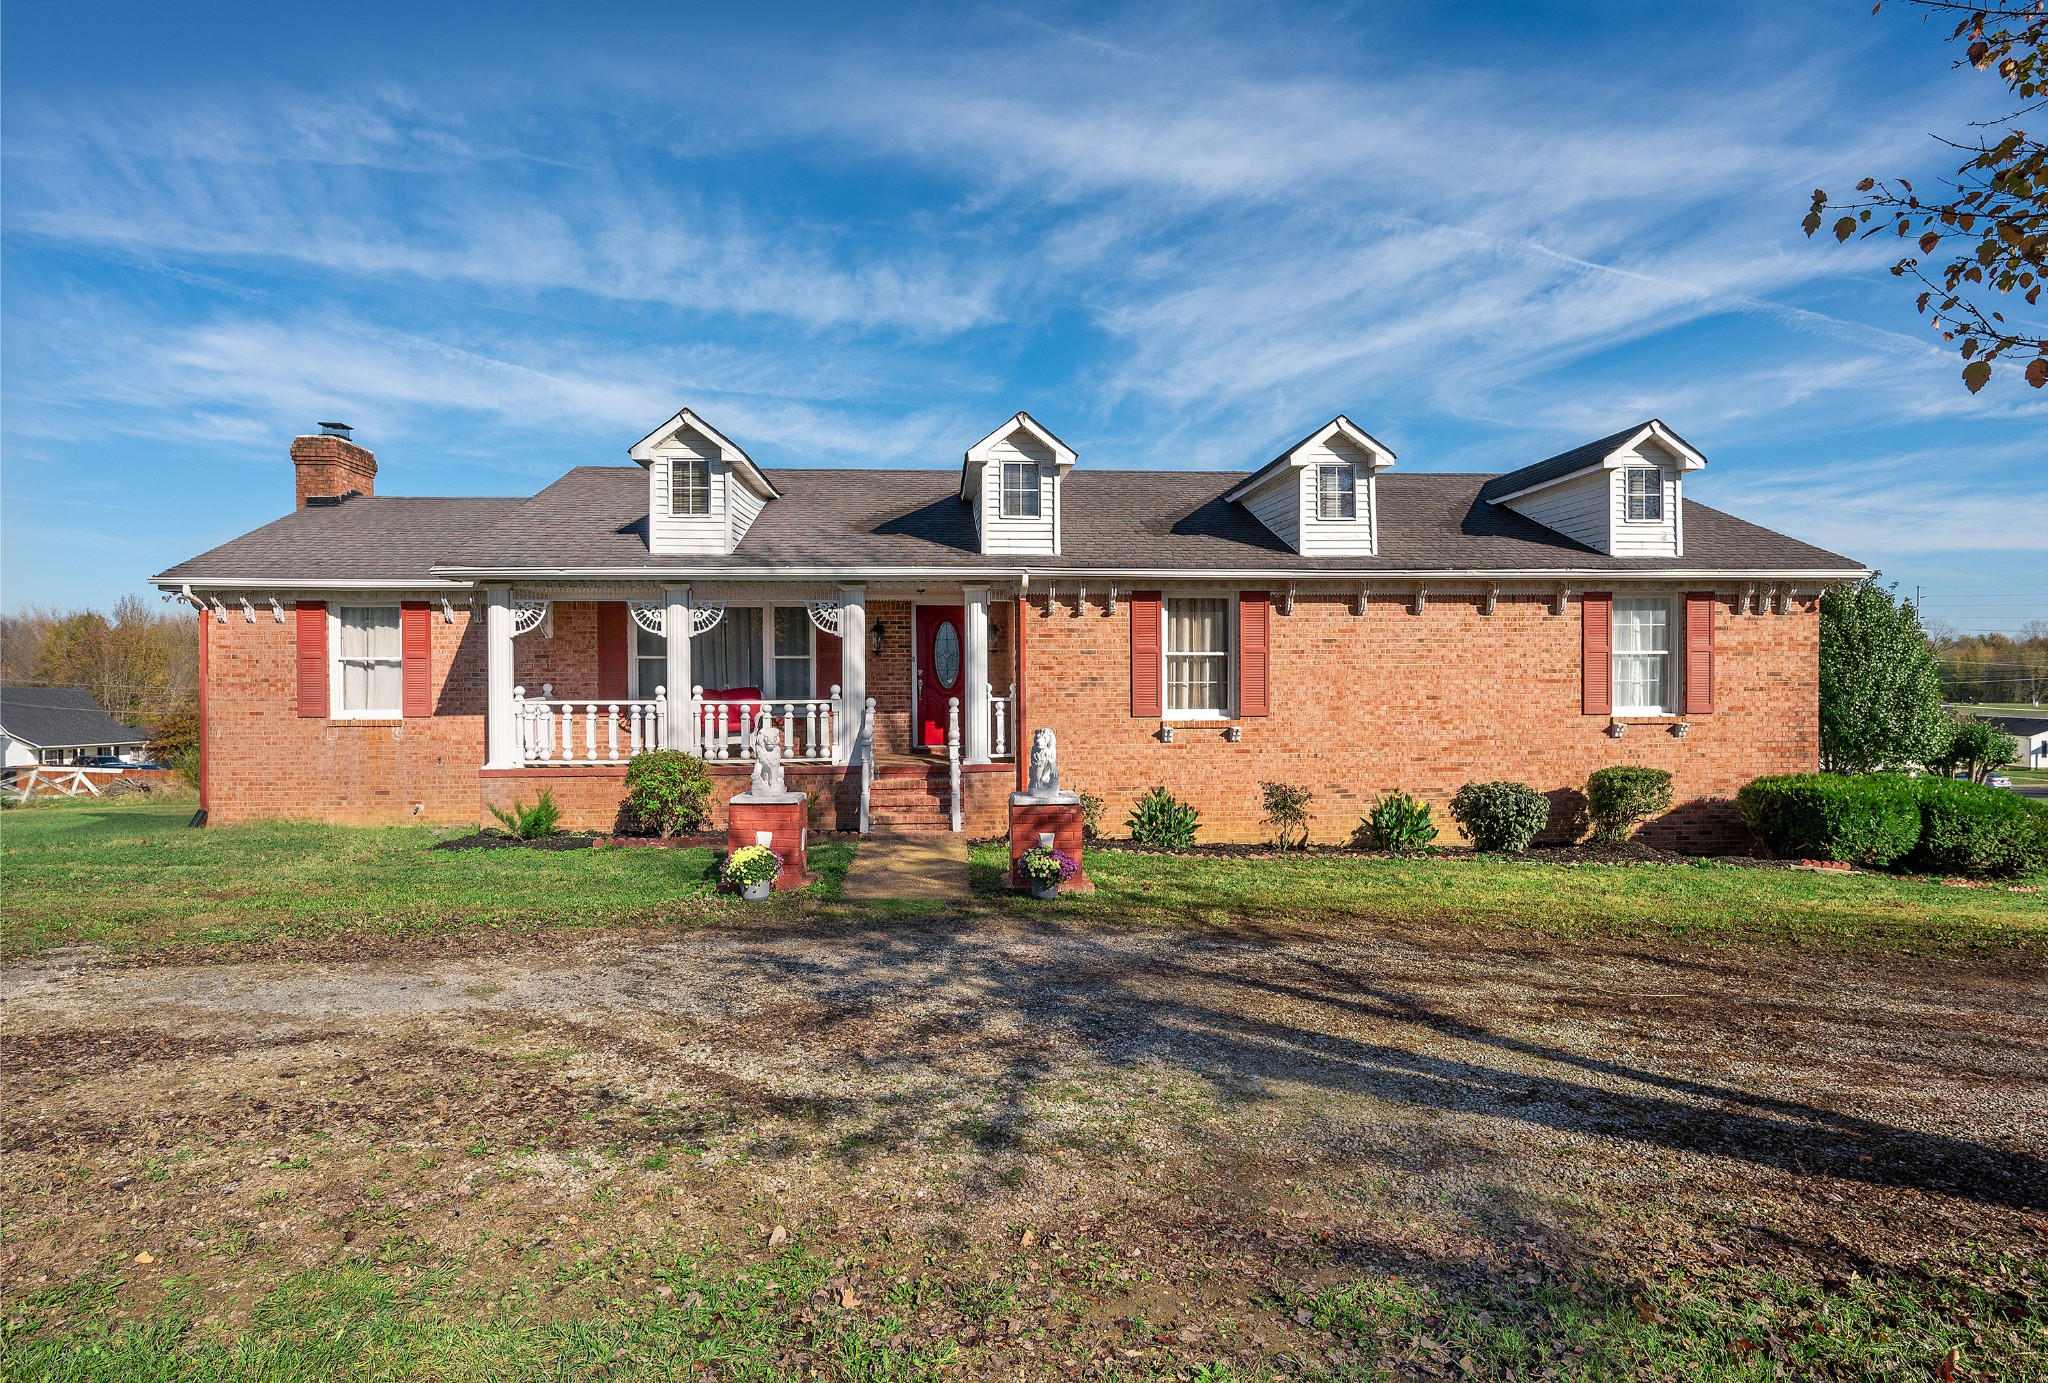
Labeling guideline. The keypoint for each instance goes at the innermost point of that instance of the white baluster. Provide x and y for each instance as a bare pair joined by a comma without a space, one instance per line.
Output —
660,725
832,726
747,709
811,729
590,732
521,725
724,749
953,755
611,727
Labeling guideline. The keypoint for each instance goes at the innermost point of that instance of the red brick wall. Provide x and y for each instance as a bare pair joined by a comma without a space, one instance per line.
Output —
264,760
1362,704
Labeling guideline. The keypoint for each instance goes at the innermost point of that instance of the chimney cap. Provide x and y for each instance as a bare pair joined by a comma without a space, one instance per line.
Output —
336,429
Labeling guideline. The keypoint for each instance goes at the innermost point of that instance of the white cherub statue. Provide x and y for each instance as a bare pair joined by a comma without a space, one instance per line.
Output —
768,762
1045,764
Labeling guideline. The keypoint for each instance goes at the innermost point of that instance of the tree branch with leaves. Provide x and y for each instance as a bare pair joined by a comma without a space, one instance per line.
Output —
1992,214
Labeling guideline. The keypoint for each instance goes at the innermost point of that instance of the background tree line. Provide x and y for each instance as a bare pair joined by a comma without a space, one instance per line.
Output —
142,663
1992,667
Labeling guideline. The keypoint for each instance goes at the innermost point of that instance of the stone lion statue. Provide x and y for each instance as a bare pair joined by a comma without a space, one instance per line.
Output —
768,762
1045,764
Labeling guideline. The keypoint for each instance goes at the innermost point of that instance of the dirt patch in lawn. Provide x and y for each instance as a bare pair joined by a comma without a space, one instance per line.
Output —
1196,1129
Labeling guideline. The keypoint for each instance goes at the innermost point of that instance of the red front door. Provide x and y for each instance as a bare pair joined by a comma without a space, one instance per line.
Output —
941,668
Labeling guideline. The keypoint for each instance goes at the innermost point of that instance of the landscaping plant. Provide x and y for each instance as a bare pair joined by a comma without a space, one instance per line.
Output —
666,792
1975,747
1969,829
537,822
1622,797
1287,813
1880,686
750,865
1091,814
1874,819
1500,815
1043,865
1161,819
1399,823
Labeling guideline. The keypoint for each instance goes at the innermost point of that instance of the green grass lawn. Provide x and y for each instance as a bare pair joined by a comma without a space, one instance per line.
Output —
133,875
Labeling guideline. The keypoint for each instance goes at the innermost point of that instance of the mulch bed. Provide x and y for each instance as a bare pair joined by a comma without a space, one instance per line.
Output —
1628,852
596,840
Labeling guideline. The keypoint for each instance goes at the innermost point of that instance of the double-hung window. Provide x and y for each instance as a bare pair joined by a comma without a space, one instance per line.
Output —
1645,494
1642,656
767,649
689,490
1197,656
650,662
1020,490
792,652
1336,492
368,661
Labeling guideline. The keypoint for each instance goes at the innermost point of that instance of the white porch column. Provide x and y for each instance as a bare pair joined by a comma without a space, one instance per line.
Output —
853,666
501,736
679,731
974,738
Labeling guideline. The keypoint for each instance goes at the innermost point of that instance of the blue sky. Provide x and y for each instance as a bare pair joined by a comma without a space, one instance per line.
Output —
504,240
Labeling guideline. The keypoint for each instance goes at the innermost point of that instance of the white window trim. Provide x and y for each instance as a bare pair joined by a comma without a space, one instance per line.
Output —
1003,490
1674,681
1321,517
767,609
1663,498
675,490
1230,601
334,692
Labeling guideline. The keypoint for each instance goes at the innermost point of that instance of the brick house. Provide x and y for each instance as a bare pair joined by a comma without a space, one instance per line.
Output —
1323,619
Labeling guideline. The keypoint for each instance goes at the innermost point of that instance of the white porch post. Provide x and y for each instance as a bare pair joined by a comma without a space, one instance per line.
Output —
680,729
974,734
501,736
853,666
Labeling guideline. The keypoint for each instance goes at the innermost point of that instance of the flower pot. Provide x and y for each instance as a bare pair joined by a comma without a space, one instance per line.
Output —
756,893
1045,888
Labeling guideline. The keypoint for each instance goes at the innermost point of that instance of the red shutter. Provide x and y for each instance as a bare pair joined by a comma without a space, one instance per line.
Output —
1596,646
613,650
1145,654
416,657
1254,640
827,671
312,632
1699,653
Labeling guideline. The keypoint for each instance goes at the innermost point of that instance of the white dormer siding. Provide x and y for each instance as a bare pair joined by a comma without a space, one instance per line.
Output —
737,489
1286,495
1040,460
1591,505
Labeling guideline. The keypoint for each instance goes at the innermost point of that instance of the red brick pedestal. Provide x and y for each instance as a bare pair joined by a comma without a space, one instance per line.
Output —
786,824
1060,820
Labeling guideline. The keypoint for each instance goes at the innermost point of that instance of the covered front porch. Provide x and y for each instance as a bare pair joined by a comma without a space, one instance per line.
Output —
857,679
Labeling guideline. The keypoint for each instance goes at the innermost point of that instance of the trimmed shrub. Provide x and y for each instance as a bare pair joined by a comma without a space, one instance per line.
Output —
1874,819
666,792
1161,819
537,822
1091,814
1397,822
1287,813
1969,829
1622,797
1500,815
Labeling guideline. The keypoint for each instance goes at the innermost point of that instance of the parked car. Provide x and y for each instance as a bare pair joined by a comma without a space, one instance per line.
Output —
1997,780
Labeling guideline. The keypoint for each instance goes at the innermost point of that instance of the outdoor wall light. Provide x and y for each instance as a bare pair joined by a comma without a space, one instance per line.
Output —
1616,730
1678,730
1233,734
875,635
1166,734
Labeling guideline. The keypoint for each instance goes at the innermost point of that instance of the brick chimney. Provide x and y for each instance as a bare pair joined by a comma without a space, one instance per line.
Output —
330,467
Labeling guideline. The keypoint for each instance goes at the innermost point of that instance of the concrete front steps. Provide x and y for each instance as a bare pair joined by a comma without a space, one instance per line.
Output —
909,799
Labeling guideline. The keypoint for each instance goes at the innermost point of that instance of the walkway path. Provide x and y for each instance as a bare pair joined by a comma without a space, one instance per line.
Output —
932,867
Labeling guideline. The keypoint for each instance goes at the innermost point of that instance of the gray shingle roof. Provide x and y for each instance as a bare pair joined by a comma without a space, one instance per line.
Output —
2028,726
1565,463
61,718
595,517
369,538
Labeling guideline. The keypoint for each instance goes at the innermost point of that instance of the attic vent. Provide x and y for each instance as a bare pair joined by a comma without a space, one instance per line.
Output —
341,430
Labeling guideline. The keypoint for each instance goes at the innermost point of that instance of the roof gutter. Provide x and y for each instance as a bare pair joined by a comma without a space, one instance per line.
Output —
725,573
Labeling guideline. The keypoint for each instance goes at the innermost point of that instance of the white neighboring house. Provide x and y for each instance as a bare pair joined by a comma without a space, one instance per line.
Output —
2030,731
60,725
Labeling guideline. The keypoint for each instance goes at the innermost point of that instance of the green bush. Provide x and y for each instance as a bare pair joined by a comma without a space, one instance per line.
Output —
537,822
1977,747
1286,806
1622,797
1500,815
1091,814
666,792
1161,819
1397,822
1873,819
1968,829
186,764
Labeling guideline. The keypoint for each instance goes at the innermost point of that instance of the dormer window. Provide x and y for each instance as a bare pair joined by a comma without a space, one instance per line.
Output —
1645,495
1020,490
690,486
1336,492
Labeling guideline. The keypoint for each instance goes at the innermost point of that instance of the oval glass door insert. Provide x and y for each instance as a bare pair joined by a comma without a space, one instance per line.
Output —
946,655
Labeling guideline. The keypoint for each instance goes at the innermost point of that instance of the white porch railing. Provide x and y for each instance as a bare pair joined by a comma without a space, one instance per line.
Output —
725,727
586,731
1000,709
953,756
867,761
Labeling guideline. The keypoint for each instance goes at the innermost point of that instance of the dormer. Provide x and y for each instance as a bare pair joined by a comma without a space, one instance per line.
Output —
1620,495
1321,495
702,491
1012,478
